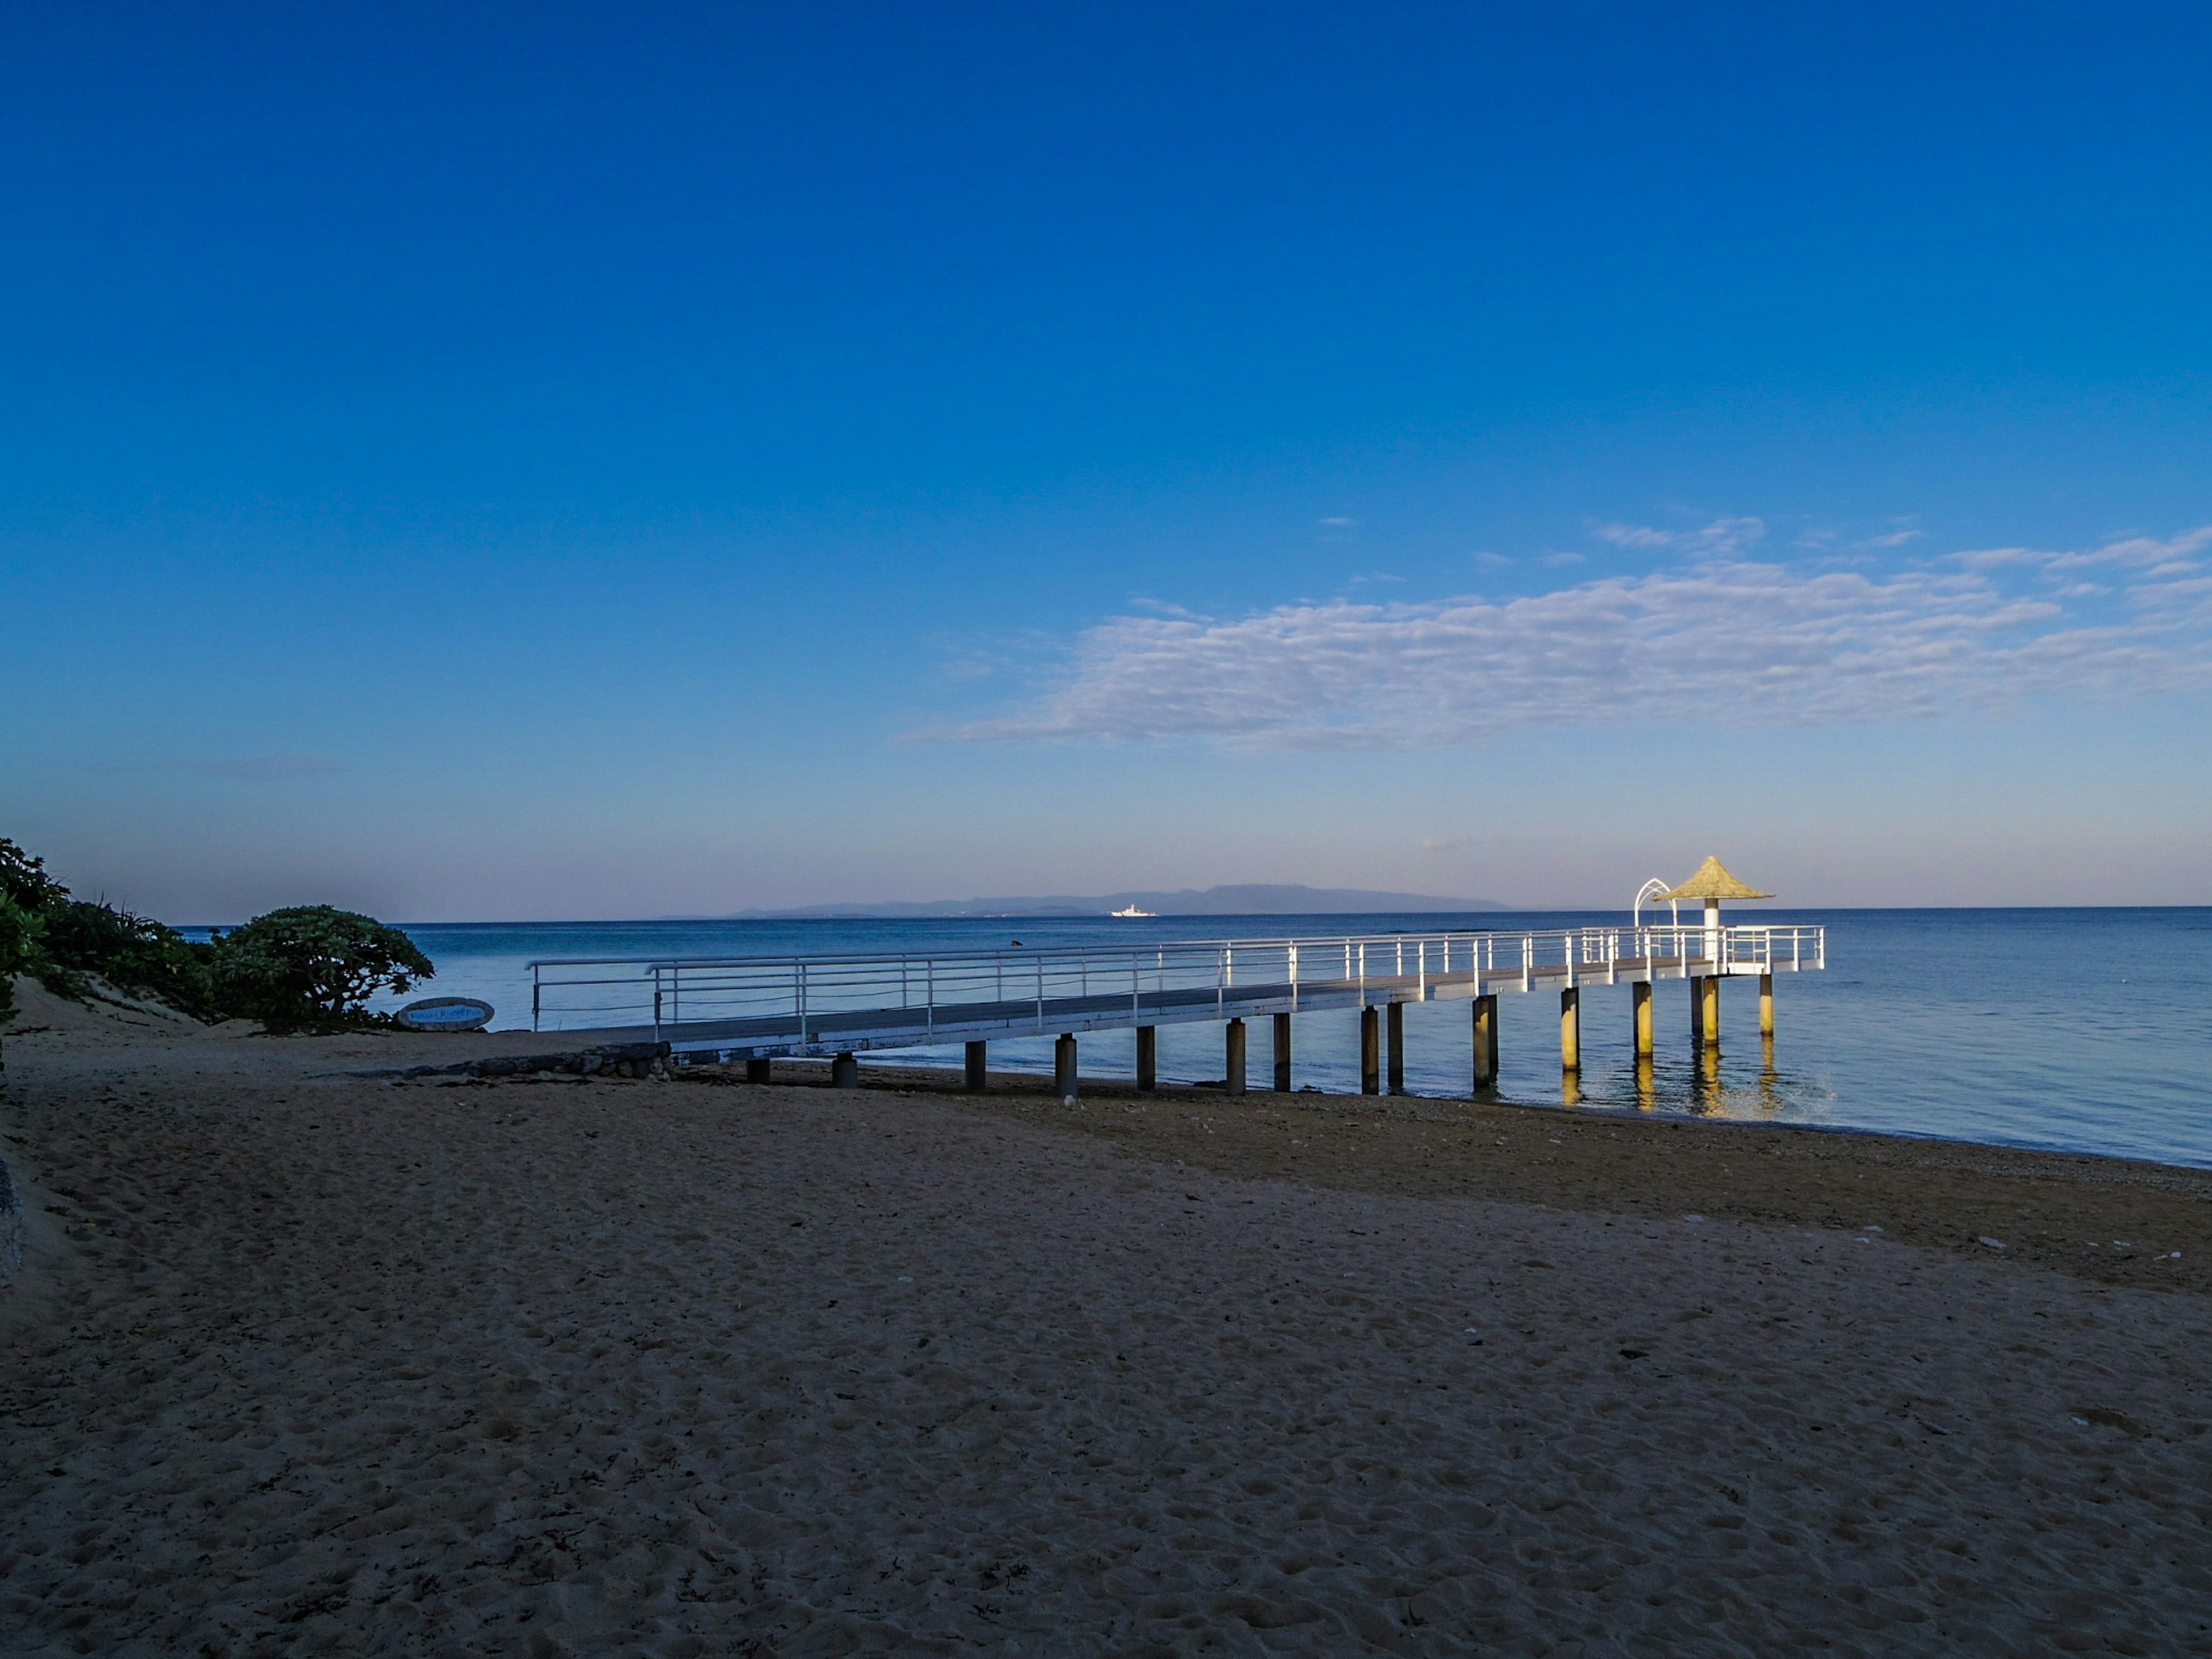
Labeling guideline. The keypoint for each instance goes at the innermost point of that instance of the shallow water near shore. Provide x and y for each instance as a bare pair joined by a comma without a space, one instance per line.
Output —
2075,1029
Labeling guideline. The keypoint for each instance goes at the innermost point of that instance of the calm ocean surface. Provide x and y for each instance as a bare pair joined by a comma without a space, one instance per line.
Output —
2086,1031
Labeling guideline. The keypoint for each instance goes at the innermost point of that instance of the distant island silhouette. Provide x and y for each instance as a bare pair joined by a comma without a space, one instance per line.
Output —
1246,900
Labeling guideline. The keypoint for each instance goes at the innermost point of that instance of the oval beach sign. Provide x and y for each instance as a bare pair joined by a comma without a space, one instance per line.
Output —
446,1014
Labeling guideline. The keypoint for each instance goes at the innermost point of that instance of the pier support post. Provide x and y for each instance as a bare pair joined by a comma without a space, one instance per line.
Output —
1148,1058
1282,1053
1709,1002
1395,1027
844,1073
1371,1056
1570,1029
976,1067
1234,1043
1696,1011
1766,1004
1640,1015
1486,1040
756,1069
1063,1065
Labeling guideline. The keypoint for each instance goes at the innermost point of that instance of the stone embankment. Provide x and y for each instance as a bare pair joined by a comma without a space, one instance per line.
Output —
607,1059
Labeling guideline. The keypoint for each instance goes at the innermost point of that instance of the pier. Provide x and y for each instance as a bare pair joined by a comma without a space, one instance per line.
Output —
758,1009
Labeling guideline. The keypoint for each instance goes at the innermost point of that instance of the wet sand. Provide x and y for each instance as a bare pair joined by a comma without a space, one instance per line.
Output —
299,1363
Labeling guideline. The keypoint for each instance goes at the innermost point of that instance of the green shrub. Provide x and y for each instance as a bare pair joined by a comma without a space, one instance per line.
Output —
24,880
312,967
28,895
307,968
64,940
130,952
20,929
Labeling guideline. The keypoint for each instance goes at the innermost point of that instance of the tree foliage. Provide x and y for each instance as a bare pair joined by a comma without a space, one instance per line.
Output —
20,929
313,966
310,967
130,952
24,880
66,941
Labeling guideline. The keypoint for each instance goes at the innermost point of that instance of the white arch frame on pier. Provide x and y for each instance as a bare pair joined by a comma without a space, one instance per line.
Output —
1658,887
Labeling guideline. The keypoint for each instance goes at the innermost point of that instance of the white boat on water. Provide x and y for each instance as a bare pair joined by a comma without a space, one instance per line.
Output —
1131,911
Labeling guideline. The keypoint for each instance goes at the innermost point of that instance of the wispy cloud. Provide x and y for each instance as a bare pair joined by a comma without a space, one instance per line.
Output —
2139,551
1721,537
1996,558
1715,637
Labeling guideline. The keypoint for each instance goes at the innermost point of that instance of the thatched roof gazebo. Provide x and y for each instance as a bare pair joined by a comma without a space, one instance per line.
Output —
1712,884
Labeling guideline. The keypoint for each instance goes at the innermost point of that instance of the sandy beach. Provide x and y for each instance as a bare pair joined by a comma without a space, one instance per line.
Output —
299,1361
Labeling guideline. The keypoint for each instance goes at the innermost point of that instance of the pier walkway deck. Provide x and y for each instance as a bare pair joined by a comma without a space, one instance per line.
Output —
761,1007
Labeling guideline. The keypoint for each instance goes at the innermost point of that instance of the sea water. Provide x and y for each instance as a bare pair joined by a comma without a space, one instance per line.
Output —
2076,1029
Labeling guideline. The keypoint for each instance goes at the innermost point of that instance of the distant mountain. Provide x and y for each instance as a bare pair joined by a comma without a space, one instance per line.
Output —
1249,899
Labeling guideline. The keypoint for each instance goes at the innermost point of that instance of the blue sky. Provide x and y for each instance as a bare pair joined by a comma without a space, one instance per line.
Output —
657,459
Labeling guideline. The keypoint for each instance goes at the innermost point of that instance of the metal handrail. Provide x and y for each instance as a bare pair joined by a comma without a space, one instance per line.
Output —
803,989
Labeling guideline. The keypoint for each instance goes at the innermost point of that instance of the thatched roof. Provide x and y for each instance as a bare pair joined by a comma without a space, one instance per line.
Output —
1713,881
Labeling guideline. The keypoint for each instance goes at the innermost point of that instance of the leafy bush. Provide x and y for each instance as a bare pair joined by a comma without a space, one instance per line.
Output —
130,952
313,966
20,929
63,940
24,880
308,967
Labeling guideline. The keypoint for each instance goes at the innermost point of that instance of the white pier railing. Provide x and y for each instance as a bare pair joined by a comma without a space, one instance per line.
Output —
802,1004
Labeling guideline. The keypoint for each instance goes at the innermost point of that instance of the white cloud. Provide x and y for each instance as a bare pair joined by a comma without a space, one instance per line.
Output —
1721,639
2138,551
1721,537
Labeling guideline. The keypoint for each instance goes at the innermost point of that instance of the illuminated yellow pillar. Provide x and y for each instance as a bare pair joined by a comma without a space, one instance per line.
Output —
1709,1020
1766,1004
1640,1005
1486,1042
1570,1030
